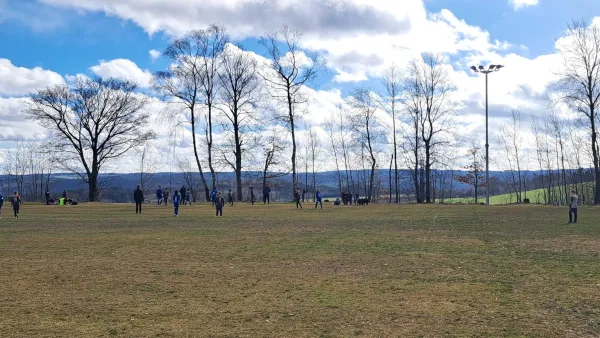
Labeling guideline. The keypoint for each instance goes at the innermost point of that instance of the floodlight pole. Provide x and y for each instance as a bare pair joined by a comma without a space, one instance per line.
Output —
487,147
481,69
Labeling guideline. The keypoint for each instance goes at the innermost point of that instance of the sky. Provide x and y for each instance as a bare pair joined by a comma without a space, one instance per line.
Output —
47,42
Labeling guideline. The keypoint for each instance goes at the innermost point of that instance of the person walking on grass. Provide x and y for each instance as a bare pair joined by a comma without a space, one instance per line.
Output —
16,203
230,198
297,197
176,201
318,198
166,197
159,195
252,195
219,204
138,197
1,203
573,206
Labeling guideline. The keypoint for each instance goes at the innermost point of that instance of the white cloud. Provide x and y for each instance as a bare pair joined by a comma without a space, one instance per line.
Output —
520,4
16,81
154,54
123,69
14,124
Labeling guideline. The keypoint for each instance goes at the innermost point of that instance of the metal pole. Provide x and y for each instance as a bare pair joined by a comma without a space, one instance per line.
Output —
487,147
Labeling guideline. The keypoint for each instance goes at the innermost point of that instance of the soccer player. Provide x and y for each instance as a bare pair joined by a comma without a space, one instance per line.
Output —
176,201
573,207
230,198
319,198
219,204
138,197
16,204
297,197
159,195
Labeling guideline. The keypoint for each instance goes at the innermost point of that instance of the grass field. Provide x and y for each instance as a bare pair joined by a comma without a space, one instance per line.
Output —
274,271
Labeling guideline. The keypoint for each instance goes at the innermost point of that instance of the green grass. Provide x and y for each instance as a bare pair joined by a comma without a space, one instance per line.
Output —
537,196
274,271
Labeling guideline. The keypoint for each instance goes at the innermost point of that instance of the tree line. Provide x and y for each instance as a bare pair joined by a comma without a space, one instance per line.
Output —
242,112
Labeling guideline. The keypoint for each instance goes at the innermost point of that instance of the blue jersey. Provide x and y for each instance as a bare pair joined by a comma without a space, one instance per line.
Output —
319,196
176,199
213,194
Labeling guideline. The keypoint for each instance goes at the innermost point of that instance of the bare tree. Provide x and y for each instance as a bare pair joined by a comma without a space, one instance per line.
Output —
330,128
511,137
239,96
191,178
290,70
191,79
475,174
314,153
365,123
149,163
430,91
93,121
579,82
392,81
273,152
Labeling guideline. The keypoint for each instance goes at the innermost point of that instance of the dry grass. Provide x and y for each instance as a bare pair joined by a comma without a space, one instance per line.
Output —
274,271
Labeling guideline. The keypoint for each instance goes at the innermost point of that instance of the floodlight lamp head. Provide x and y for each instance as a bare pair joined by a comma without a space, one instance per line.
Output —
474,69
481,67
498,67
492,67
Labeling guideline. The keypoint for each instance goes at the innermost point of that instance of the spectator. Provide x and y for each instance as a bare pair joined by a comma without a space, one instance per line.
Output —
138,197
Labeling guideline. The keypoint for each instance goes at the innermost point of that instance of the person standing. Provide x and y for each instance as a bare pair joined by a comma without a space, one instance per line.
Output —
16,204
187,197
219,204
266,194
230,198
356,199
64,194
303,193
318,198
166,197
176,201
159,195
1,203
297,197
47,196
252,195
573,207
138,197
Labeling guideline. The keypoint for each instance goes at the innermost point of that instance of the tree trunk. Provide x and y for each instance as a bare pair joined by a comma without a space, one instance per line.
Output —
293,131
595,156
390,177
210,146
206,190
93,186
427,173
238,157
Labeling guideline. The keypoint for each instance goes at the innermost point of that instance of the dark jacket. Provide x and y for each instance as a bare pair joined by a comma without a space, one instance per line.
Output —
176,199
138,195
16,202
266,190
297,195
220,202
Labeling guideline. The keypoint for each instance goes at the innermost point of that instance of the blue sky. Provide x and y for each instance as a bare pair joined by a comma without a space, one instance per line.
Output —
69,42
357,38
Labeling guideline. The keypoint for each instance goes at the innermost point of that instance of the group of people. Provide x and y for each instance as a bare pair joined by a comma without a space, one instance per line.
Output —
349,199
